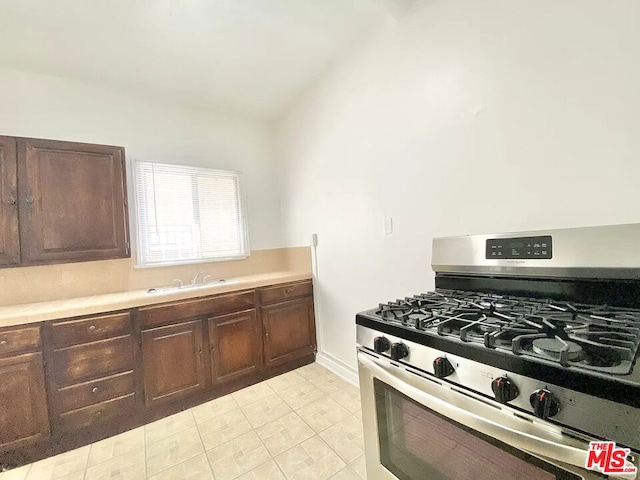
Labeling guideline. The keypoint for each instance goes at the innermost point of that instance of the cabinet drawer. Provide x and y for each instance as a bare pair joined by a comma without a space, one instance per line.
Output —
95,391
92,360
85,330
18,341
284,292
210,306
104,412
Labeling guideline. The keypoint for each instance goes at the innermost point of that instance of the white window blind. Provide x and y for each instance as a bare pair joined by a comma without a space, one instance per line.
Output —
189,214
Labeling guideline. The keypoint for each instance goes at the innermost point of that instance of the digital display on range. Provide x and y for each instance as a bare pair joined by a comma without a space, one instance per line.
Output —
524,247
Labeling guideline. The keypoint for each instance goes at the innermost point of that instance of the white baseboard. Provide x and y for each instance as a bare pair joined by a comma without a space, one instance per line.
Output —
341,369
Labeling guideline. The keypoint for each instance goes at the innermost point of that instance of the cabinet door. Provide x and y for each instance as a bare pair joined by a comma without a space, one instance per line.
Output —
72,201
235,345
172,362
9,238
23,404
289,330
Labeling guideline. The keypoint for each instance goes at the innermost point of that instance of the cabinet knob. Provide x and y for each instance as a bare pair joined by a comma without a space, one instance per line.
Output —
12,201
287,291
92,327
94,390
3,342
29,199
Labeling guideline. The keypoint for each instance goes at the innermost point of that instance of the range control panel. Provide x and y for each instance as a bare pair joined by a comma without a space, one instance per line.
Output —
523,247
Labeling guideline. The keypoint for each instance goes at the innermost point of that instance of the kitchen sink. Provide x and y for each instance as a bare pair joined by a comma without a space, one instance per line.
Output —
197,286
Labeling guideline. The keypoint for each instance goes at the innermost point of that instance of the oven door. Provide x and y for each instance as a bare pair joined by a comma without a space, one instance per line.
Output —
416,427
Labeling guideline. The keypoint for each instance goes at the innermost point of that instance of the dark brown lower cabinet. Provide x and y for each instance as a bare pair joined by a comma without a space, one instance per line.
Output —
24,418
235,345
173,355
83,362
172,362
289,330
111,410
91,374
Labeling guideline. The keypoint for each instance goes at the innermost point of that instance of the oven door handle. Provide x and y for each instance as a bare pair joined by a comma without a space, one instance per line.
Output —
522,440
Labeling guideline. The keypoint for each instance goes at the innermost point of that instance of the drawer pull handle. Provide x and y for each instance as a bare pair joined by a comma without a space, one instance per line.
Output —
92,327
94,390
3,342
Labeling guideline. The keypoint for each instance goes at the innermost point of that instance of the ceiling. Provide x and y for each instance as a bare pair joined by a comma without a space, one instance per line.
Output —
251,56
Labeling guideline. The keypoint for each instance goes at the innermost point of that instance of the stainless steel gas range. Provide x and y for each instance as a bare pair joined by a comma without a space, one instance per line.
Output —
521,364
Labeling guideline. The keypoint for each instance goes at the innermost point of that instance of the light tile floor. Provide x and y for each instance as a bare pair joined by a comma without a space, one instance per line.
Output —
304,424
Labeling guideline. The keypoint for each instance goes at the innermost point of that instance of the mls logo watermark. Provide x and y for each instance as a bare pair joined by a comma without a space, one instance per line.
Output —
606,458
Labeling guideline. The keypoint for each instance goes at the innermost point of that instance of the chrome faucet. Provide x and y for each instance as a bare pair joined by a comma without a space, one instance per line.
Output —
194,280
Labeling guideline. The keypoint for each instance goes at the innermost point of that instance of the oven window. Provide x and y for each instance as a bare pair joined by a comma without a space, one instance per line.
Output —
417,443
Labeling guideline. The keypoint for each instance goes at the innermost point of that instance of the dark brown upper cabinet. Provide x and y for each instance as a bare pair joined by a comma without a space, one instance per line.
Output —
71,202
9,237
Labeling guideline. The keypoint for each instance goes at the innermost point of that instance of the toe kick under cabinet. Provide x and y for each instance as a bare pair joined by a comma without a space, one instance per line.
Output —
69,382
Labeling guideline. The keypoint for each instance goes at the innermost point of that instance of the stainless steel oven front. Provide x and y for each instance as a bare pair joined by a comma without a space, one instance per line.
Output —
418,427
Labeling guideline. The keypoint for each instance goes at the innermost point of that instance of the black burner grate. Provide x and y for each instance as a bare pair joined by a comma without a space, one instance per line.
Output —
591,337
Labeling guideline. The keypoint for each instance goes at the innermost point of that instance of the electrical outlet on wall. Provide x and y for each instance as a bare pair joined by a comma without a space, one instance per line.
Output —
314,239
388,225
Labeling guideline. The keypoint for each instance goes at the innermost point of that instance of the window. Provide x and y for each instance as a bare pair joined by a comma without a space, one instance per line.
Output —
189,214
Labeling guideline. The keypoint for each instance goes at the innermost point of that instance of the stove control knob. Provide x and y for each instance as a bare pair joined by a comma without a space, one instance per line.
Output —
381,344
399,351
545,404
504,389
442,367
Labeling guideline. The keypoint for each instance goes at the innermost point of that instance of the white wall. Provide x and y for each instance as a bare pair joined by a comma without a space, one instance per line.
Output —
150,128
465,117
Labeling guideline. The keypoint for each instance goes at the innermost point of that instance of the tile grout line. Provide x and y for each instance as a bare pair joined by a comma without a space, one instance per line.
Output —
206,456
254,429
279,394
176,433
315,434
351,414
86,466
91,445
26,476
144,443
273,459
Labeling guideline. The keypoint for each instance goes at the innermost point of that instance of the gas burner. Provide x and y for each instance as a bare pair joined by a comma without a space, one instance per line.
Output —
418,311
591,337
490,324
556,347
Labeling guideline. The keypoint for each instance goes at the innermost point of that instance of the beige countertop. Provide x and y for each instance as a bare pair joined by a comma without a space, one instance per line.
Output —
73,307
